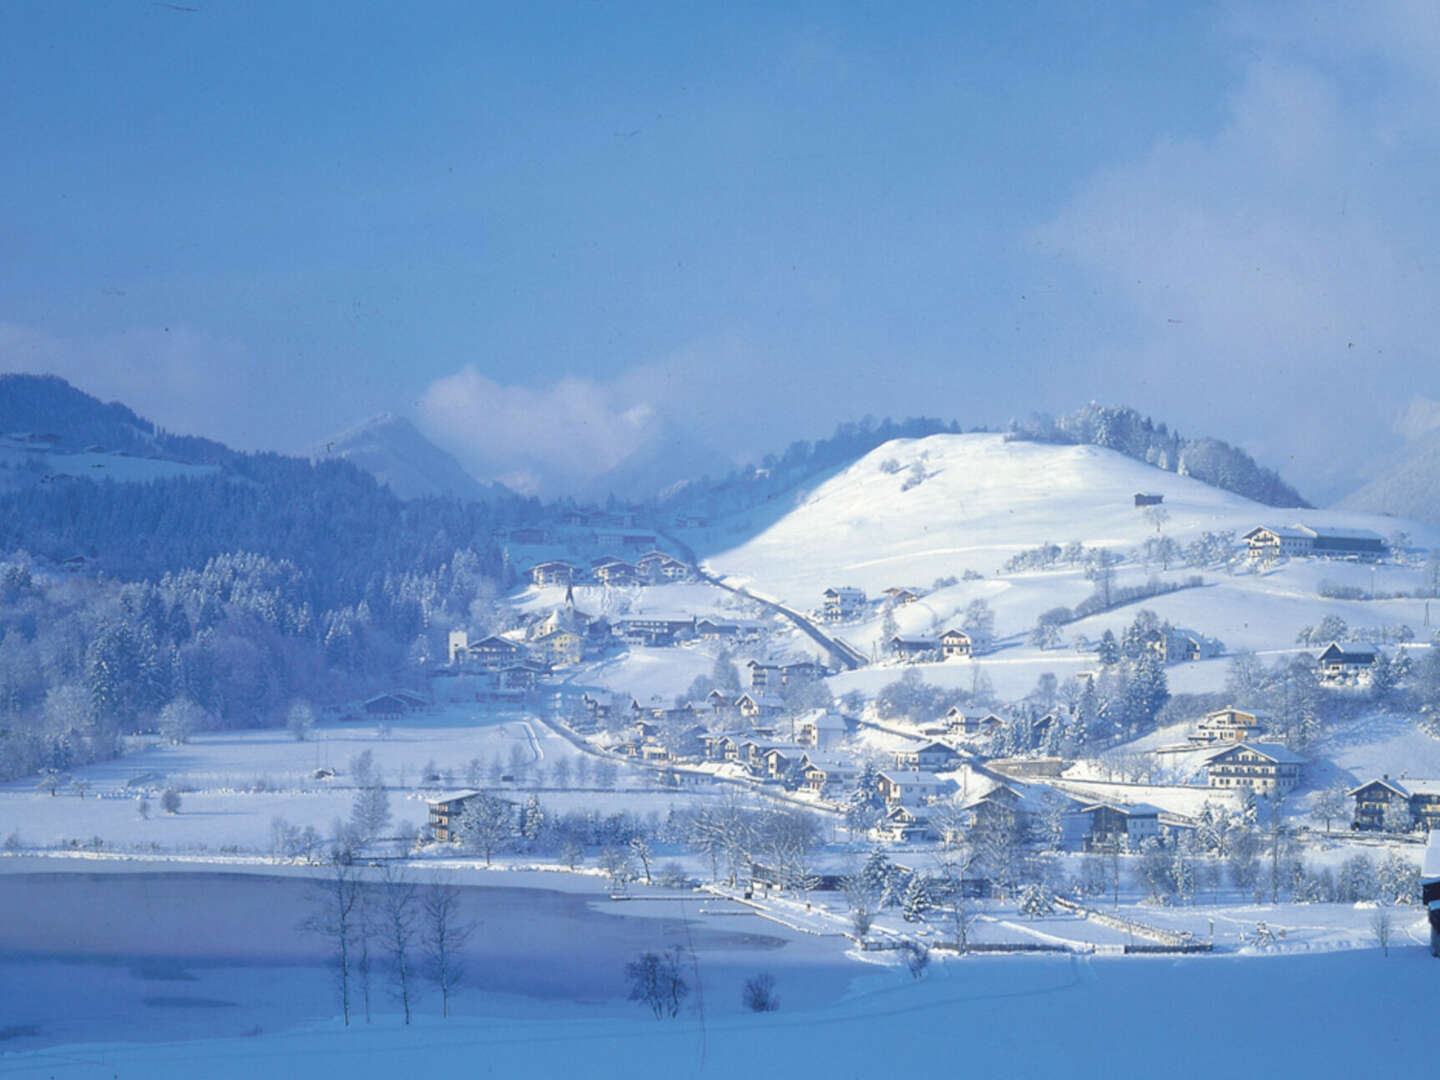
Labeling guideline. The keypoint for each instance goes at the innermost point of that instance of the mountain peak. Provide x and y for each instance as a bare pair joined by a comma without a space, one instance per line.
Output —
396,453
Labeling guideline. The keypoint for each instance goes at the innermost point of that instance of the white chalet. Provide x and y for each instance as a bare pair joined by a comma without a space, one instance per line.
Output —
842,602
1265,768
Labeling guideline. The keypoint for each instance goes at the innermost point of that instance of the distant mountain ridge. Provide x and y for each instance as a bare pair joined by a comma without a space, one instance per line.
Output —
1407,484
393,450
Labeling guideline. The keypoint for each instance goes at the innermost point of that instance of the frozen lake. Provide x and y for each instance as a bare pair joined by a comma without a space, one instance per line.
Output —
108,954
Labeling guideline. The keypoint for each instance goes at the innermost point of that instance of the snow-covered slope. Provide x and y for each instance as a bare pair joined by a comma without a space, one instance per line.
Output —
982,500
395,453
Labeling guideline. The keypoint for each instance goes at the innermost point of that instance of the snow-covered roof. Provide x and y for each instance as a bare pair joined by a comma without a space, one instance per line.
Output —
910,776
1128,809
1274,751
1347,534
1403,787
1431,867
1352,648
452,796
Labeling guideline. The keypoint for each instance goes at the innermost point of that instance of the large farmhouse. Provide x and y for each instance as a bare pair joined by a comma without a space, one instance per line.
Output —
1264,768
1272,540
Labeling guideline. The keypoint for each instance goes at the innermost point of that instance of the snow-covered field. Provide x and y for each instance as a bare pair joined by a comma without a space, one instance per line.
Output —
233,784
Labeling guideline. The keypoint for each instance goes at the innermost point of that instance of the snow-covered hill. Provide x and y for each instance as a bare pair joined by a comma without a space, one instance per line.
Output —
393,450
981,501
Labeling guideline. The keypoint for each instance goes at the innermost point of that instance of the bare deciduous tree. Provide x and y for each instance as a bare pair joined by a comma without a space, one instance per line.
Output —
333,916
446,933
398,912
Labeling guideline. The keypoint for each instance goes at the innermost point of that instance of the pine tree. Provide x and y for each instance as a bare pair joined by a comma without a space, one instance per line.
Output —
917,900
532,819
875,874
1109,650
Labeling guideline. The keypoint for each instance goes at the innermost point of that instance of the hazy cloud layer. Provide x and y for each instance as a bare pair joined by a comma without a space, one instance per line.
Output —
1277,271
534,439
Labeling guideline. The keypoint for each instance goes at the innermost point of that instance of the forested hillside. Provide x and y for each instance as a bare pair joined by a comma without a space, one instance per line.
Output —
48,405
1119,427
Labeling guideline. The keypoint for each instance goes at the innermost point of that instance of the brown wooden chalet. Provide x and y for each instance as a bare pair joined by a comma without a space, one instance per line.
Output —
1420,798
494,651
656,566
614,572
445,813
1339,663
1122,825
904,824
912,649
554,572
385,707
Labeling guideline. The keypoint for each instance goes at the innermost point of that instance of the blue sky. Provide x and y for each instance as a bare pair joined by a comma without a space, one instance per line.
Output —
746,222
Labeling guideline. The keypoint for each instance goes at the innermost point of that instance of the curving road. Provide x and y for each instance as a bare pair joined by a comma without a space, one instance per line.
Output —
842,653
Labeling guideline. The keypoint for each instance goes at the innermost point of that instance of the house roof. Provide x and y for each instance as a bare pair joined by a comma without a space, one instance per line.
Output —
1358,649
910,776
1284,532
452,796
1128,809
1430,870
1276,753
1404,787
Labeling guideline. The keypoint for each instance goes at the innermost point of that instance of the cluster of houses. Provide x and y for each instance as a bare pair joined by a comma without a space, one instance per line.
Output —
652,568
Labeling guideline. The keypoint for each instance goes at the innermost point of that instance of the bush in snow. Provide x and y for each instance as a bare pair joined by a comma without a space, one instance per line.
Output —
170,801
655,980
917,957
759,993
1036,901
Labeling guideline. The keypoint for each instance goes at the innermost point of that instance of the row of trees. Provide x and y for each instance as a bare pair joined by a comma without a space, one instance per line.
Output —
395,932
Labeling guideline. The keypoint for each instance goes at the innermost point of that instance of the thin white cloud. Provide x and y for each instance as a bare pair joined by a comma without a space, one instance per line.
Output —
1274,273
